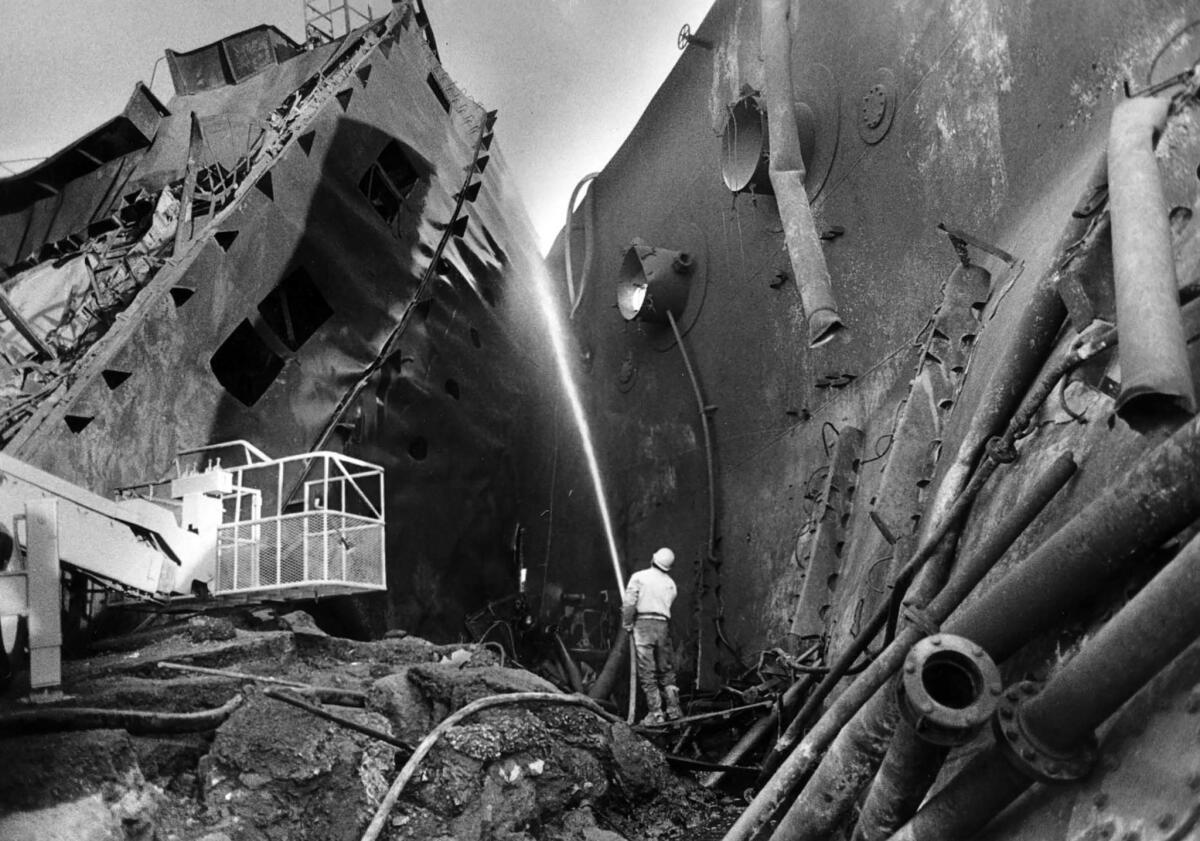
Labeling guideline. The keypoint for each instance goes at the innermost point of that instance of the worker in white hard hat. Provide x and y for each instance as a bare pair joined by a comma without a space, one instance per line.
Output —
646,614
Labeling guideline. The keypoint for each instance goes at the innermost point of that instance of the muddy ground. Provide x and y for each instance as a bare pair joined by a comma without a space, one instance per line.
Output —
271,771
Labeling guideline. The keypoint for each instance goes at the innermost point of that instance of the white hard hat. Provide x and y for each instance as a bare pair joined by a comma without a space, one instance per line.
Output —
663,559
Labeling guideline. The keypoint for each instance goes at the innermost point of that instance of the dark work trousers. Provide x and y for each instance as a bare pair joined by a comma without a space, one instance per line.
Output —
655,658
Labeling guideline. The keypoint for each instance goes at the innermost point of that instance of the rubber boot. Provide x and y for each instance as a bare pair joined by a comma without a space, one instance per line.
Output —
673,710
654,703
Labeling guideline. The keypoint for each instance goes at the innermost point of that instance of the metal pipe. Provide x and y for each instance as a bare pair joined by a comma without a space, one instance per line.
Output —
947,692
761,728
869,712
1154,501
710,547
787,179
908,770
985,786
850,762
1154,363
1156,625
871,628
569,666
1046,736
948,689
603,685
855,754
348,723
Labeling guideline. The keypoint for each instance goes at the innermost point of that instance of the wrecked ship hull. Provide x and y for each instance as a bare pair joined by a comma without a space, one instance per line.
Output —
344,276
832,465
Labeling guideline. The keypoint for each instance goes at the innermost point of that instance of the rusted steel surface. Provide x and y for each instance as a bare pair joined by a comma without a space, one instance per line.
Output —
820,547
934,392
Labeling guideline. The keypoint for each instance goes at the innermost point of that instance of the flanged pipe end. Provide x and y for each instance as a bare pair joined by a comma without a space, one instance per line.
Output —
1030,755
823,325
950,691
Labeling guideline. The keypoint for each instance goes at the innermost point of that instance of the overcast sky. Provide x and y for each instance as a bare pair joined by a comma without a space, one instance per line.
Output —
569,77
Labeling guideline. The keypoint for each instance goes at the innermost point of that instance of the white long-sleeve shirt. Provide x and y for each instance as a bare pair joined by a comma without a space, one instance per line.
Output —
650,592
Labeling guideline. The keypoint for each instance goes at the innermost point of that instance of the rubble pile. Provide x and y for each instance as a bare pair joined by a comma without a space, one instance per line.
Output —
272,771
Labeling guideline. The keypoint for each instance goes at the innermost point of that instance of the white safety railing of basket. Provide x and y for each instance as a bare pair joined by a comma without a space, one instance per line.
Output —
302,526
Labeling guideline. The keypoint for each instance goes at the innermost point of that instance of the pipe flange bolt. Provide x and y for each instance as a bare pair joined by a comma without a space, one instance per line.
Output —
1029,755
948,689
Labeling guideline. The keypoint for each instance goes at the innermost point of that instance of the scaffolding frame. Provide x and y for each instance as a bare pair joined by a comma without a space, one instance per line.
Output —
328,20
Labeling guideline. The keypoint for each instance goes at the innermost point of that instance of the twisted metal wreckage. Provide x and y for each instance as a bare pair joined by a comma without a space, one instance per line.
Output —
959,604
298,250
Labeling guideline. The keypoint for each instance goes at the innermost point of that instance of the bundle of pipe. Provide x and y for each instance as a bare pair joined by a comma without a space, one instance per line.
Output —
1154,361
865,726
870,714
1054,727
852,762
1150,504
1154,368
1027,345
787,179
758,731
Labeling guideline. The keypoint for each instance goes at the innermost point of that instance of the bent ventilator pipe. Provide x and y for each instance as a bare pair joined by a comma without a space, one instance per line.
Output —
787,180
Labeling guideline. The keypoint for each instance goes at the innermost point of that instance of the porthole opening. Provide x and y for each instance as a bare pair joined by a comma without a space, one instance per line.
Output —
418,449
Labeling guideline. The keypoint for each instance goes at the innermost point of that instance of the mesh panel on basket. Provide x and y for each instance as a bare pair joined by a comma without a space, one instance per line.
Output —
295,552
